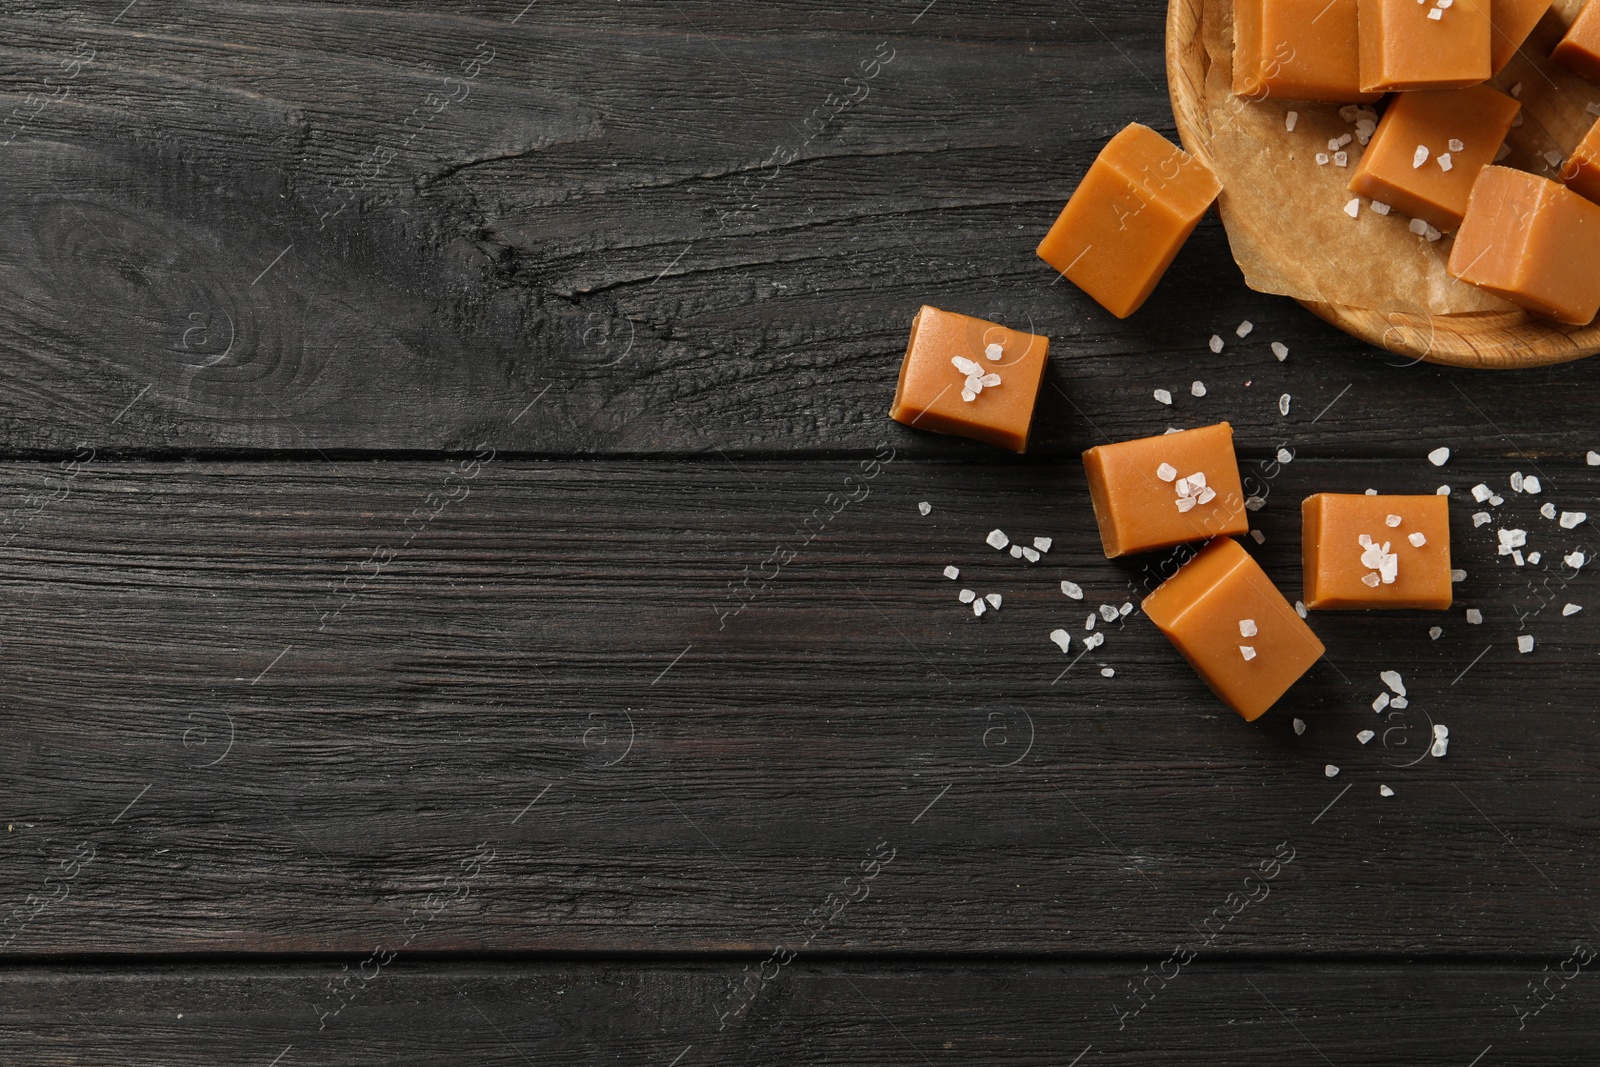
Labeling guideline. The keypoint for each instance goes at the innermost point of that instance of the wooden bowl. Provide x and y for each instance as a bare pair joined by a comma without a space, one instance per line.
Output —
1498,339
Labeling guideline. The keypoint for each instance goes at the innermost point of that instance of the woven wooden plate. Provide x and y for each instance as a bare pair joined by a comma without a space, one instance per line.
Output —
1496,340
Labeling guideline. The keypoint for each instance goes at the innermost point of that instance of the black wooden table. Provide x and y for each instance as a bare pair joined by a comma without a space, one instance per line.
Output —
465,602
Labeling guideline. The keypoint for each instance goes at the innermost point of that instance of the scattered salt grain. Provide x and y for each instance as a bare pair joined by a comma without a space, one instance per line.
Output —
1089,622
1535,557
1353,208
1380,702
1456,145
993,353
1341,159
1439,456
1417,539
1379,207
1575,559
1072,589
952,572
1331,771
1299,727
1532,485
1417,226
1571,609
1548,510
1258,537
1197,389
1094,641
1593,459
994,600
1247,652
1398,702
1365,735
925,507
1254,503
1474,616
1108,612
1215,343
1062,639
1443,490
1393,680
1441,745
1569,519
1372,492
1016,551
1525,643
1392,521
1385,791
1030,554
1166,472
1435,632
1300,608
1419,157
1283,404
967,596
1107,672
1435,14
1247,628
1285,456
1441,730
1290,119
1322,159
1281,350
1043,543
978,608
1126,609
1244,328
1496,500
1481,518
1163,396
997,539
1553,158
1444,161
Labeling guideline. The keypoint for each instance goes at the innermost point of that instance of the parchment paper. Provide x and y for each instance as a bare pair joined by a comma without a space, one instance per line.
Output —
1285,214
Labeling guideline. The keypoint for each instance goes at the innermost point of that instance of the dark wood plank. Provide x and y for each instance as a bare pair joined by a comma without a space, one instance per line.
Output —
658,1014
281,710
199,260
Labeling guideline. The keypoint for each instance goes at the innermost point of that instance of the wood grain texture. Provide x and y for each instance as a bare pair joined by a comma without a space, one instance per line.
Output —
554,665
650,1013
207,254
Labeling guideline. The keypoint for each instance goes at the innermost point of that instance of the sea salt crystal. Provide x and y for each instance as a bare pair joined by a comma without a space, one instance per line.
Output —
1197,389
1575,559
1379,207
1516,481
1283,404
1089,622
1322,159
1281,350
1525,643
1417,226
1431,234
993,353
1444,161
1247,627
993,599
1496,500
1244,328
978,607
1365,735
925,507
1417,539
1043,543
1435,14
1456,145
1030,554
952,572
1163,396
1419,157
1062,639
997,539
1380,702
1441,745
1185,504
1254,503
1531,484
1502,152
1474,616
1385,791
1290,119
1569,519
967,596
1481,492
1285,456
1258,537
1552,158
1434,632
1126,609
1016,551
1107,672
1393,680
1481,518
1443,490
1072,589
1571,609
1094,641
1299,727
1341,159
1215,343
1548,510
1353,208
1247,652
1535,557
1392,521
1398,702
1300,608
1166,472
1331,771
1439,456
1108,612
1593,459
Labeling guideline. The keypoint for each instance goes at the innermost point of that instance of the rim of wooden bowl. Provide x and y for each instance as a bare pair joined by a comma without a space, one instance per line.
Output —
1489,340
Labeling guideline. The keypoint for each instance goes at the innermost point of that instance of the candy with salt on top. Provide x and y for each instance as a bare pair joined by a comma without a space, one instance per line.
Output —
948,385
1532,242
1139,511
1199,609
1579,49
1297,50
1353,559
1127,219
1405,45
1418,123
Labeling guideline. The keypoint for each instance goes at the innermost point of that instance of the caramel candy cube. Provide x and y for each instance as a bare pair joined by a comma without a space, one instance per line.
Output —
1128,217
1533,242
971,378
1581,172
1297,50
1234,627
1363,551
1510,22
1157,492
1408,45
1580,48
1412,162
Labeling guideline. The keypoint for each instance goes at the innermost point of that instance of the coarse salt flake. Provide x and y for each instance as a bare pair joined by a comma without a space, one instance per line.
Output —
1283,404
993,352
1417,539
1444,161
978,607
1166,472
1299,727
1126,609
1439,456
1569,519
1525,643
1379,207
925,507
1197,389
1290,119
1108,612
1474,616
1571,609
993,599
1016,551
997,539
1385,791
1441,745
1163,396
1393,680
1215,343
1107,672
1481,492
1592,459
1255,503
1419,157
1244,328
1029,554
1365,735
1341,159
1089,622
1043,543
1392,521
1443,490
1435,14
1531,484
1435,632
1575,559
1322,159
1380,702
1281,350
1072,589
966,596
1353,208
1247,652
1481,518
1456,145
1331,771
1062,639
952,572
1285,456
1300,608
1247,628
1258,537
1094,641
1548,510
1553,158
